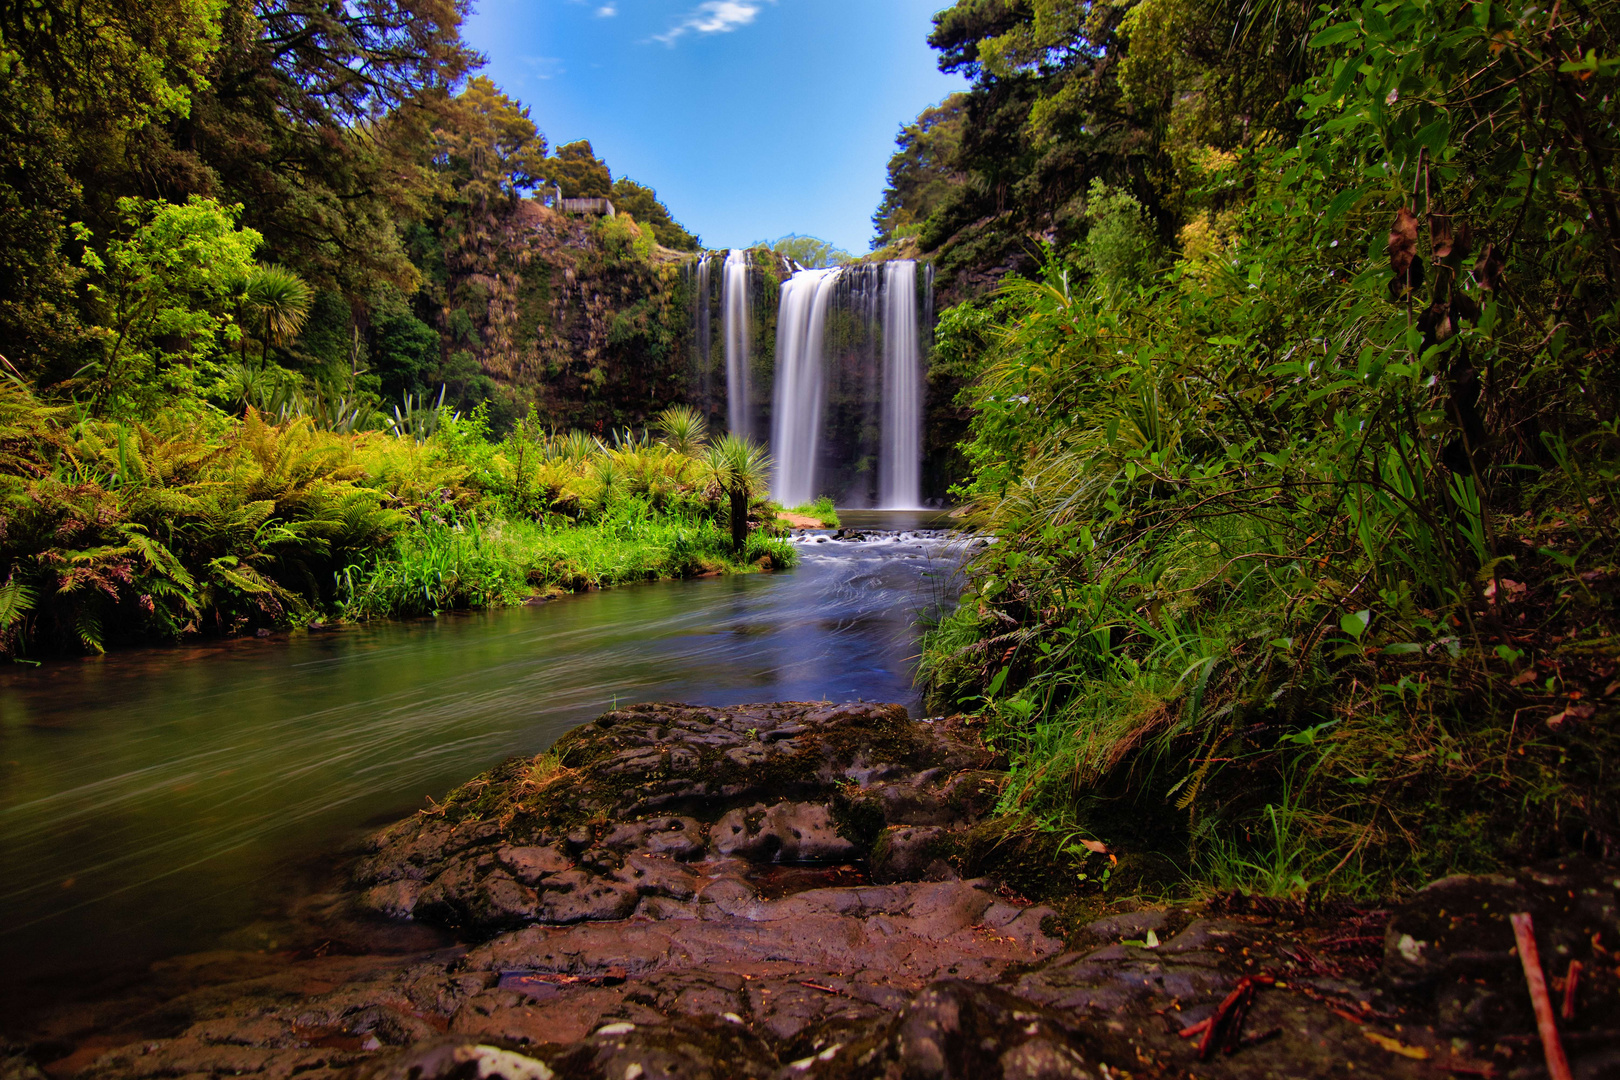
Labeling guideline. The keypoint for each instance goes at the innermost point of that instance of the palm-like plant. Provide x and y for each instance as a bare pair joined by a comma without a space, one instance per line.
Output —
742,469
576,446
684,429
278,301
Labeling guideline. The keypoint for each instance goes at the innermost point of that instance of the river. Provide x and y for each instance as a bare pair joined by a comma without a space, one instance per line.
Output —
154,800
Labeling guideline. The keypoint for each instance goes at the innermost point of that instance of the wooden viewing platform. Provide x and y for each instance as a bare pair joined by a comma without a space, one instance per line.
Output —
601,207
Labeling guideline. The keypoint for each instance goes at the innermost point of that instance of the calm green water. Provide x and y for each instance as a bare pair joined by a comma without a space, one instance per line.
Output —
152,800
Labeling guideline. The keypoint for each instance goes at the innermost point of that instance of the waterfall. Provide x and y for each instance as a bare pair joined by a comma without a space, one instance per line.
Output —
734,326
700,381
900,463
800,384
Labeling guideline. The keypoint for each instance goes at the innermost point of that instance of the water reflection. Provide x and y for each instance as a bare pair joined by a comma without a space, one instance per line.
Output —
153,799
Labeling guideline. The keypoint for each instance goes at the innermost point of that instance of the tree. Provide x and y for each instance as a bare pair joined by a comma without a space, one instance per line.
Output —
741,469
642,201
75,80
579,172
405,352
808,251
162,292
318,119
487,146
923,171
276,301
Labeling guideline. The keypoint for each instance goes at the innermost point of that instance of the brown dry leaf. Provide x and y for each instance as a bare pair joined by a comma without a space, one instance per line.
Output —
1440,238
1402,250
1095,845
1462,241
1395,1046
1528,675
1488,270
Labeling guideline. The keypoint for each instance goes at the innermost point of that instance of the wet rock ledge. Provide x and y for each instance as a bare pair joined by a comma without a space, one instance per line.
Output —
666,810
774,891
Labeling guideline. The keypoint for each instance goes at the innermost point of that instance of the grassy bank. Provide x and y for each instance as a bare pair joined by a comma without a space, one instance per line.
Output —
195,522
468,563
821,510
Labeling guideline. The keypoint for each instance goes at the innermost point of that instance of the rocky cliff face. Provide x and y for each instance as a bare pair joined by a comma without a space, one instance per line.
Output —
582,315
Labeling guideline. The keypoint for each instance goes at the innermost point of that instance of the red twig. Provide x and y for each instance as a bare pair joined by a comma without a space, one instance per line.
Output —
1570,979
1225,1028
1524,933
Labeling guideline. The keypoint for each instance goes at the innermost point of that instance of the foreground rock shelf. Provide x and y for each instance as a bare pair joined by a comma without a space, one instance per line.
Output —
775,891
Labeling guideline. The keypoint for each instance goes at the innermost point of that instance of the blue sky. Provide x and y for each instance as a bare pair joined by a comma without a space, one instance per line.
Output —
752,118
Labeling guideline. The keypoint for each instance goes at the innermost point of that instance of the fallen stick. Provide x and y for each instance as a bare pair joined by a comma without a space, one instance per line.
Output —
1226,1026
1524,933
1570,979
1196,1029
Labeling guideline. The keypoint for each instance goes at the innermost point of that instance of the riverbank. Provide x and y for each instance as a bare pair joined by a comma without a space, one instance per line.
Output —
156,800
195,523
799,889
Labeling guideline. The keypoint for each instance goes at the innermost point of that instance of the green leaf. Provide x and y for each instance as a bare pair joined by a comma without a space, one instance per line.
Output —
1355,624
1336,35
1341,203
1347,75
997,682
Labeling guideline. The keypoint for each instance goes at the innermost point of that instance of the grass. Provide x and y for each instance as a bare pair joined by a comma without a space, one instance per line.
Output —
442,564
822,510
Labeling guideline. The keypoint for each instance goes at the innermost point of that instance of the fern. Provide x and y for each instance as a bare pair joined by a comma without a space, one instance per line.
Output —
16,601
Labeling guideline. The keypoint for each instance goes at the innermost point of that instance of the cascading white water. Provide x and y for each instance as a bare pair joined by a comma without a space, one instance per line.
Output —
734,325
900,463
801,387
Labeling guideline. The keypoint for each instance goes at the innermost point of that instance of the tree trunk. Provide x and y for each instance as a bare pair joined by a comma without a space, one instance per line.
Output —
739,520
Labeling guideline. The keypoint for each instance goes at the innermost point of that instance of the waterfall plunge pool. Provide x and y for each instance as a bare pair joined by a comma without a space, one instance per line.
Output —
155,802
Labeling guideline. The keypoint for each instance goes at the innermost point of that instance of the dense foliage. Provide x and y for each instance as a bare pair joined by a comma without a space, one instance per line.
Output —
285,314
1298,432
196,523
354,152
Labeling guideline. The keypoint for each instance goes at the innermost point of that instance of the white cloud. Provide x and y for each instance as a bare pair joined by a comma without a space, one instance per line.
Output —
607,11
543,67
712,17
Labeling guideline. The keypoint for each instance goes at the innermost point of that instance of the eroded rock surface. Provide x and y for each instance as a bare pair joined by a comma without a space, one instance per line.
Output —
647,803
774,892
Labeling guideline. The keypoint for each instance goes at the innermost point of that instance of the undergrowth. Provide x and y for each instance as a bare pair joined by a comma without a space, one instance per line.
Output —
194,522
1306,570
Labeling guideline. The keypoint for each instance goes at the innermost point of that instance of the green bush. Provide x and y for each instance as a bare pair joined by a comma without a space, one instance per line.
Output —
1305,568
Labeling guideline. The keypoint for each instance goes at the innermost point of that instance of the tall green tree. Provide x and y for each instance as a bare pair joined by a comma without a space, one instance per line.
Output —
78,81
163,290
923,172
579,172
642,202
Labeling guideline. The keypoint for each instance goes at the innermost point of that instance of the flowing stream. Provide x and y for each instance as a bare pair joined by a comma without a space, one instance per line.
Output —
153,800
